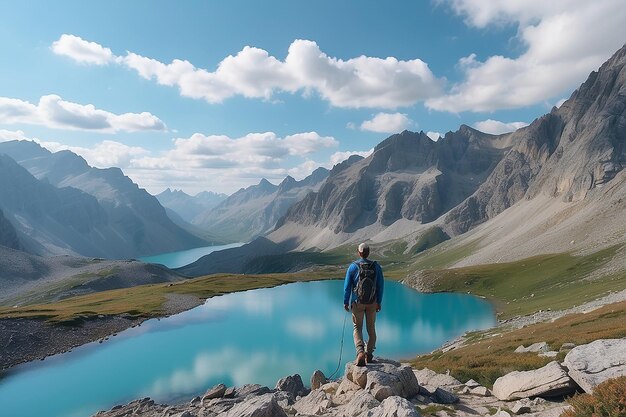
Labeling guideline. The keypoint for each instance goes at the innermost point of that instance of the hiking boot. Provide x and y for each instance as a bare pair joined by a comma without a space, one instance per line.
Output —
360,359
369,357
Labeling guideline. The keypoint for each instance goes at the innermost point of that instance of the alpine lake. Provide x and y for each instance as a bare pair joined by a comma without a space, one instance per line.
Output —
256,336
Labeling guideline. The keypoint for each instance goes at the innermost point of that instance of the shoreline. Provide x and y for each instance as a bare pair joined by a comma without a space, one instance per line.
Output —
27,340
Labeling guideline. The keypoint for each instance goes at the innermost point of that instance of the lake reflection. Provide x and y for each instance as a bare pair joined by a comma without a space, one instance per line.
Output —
256,336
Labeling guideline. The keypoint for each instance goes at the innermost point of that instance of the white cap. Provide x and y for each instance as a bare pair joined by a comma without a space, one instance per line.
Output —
363,247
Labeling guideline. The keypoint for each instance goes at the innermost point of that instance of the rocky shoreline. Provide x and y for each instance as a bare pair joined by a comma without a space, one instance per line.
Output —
25,340
389,389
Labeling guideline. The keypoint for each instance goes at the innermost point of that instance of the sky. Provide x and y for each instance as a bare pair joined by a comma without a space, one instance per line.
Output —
215,95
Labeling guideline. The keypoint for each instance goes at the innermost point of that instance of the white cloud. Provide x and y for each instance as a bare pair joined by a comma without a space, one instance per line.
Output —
54,112
435,136
560,102
105,154
82,51
563,41
7,135
254,73
387,123
338,157
496,127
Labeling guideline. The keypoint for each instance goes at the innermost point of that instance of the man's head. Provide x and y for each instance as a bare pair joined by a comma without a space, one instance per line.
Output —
364,250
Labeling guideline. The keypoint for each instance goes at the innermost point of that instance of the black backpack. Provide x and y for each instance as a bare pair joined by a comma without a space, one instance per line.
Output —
366,285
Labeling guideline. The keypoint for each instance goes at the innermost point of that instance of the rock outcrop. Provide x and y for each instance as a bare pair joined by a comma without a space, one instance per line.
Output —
353,395
548,381
594,363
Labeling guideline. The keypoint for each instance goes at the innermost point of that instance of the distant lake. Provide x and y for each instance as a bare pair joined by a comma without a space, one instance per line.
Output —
185,257
254,336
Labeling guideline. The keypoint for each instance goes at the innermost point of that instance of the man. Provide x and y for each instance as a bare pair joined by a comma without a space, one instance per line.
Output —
363,291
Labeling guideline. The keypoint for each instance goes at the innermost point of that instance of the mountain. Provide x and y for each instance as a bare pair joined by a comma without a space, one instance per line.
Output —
555,185
565,154
27,278
253,211
101,211
189,207
408,177
8,234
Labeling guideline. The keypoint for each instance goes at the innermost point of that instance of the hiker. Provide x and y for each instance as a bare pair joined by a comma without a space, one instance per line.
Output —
363,293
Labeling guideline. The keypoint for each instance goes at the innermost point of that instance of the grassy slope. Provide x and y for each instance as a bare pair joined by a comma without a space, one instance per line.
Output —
148,300
491,354
543,282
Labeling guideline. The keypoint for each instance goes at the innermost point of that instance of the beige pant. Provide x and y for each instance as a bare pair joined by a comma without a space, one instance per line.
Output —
369,312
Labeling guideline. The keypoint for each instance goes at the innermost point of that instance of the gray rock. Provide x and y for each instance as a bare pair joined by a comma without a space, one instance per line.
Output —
501,413
194,400
594,363
262,406
317,402
442,396
215,392
251,389
361,402
293,385
432,380
549,354
346,385
230,392
317,379
471,384
534,348
357,374
394,407
551,380
521,407
567,346
480,391
384,380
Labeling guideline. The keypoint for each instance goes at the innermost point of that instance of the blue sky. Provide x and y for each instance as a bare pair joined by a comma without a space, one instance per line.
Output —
214,95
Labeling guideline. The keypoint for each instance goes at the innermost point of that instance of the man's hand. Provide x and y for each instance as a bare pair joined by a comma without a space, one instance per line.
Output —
346,307
378,307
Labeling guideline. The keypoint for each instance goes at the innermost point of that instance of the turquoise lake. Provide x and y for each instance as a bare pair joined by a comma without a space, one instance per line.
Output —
255,336
185,257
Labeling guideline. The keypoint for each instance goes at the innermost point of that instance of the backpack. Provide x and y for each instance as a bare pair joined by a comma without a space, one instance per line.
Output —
365,288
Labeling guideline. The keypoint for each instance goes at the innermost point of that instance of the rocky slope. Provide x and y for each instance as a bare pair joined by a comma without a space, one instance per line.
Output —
100,212
8,234
564,154
27,278
408,179
189,207
254,211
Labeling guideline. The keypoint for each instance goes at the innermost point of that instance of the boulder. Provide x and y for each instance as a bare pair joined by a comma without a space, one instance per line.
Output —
357,374
394,407
251,389
346,386
521,407
384,380
317,379
317,402
431,380
293,385
442,396
215,392
261,406
361,402
551,380
480,391
549,354
594,363
567,346
471,384
501,413
535,348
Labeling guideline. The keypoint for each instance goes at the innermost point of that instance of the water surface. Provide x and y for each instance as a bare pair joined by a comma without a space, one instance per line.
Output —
185,257
255,336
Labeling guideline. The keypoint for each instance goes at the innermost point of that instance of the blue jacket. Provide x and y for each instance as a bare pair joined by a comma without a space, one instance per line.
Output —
352,277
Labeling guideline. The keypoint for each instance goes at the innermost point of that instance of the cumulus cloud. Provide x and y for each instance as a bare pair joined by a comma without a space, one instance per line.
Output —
387,123
496,127
82,51
252,72
558,54
104,154
54,112
7,135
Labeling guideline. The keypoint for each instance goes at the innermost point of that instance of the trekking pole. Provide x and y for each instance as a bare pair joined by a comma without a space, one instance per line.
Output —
343,332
